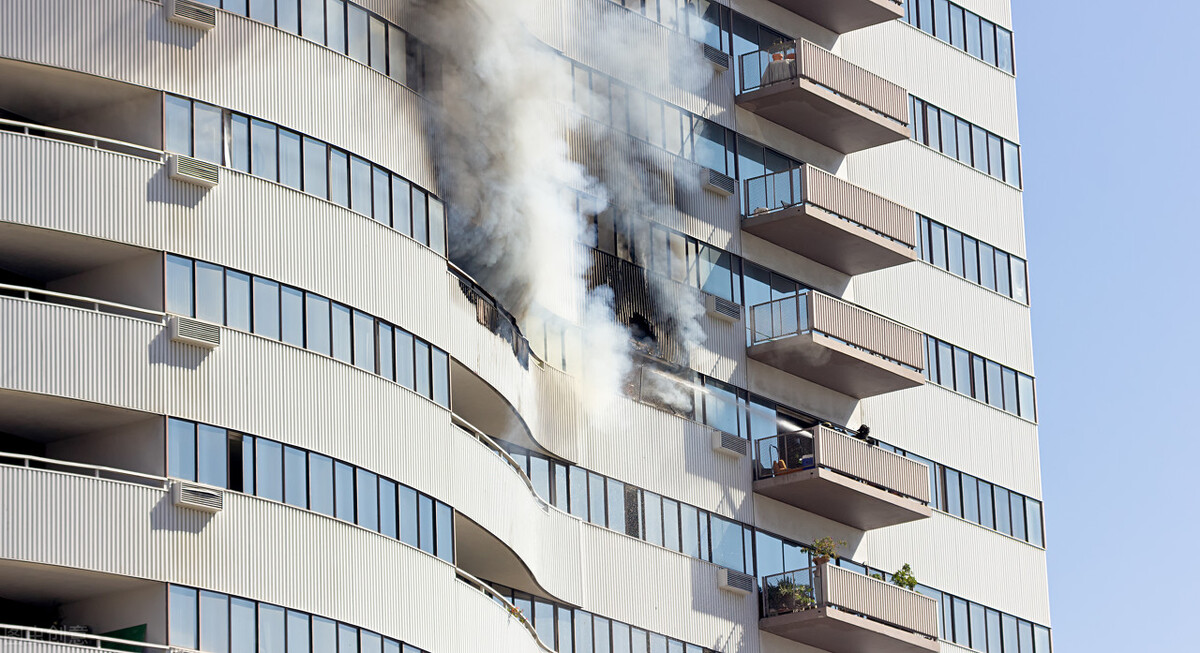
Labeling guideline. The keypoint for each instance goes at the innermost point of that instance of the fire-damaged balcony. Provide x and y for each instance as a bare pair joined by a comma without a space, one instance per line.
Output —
817,94
843,16
829,220
836,344
843,611
842,478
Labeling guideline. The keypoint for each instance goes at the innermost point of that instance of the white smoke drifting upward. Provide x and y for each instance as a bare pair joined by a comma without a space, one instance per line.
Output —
499,128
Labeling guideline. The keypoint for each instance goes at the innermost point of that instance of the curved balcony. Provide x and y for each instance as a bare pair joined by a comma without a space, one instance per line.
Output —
829,220
843,16
842,611
842,478
836,344
28,639
821,96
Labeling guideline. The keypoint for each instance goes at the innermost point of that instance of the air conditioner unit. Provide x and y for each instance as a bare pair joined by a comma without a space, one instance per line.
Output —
730,445
197,497
717,182
191,13
735,581
194,332
718,58
194,171
719,308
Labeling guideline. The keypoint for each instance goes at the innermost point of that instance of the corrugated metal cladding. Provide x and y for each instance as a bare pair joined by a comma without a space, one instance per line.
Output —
647,55
963,85
132,200
340,100
916,176
1009,341
254,548
1003,448
633,579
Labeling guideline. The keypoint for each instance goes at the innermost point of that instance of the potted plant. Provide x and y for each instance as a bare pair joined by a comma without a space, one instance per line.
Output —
905,578
788,596
825,549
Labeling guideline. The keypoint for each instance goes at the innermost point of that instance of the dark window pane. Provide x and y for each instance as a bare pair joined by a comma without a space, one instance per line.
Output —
295,477
266,308
210,292
317,322
180,289
320,483
953,493
341,332
368,500
291,304
263,150
237,300
270,469
212,447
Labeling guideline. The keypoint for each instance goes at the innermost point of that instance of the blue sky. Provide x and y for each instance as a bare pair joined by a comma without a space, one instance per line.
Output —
1109,94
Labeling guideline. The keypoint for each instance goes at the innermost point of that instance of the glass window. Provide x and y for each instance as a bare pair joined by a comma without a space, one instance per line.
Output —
371,642
291,305
978,378
360,186
995,393
1003,516
263,10
1019,291
945,364
180,291
964,141
957,38
1010,632
368,500
317,311
938,244
425,523
980,148
1033,521
181,449
437,226
1010,390
263,150
209,141
357,39
974,47
295,477
271,629
182,617
297,632
312,14
210,292
600,626
933,131
978,627
1018,515
237,300
269,471
339,177
654,519
242,626
596,498
420,231
583,632
987,269
1012,164
324,635
341,332
347,638
444,523
320,483
343,491
995,163
953,493
401,206
579,490
212,446
178,120
421,366
290,171
986,505
970,495
971,259
239,142
396,54
404,359
364,341
387,360
315,168
988,41
266,308
961,621
941,23
387,508
408,515
335,19
248,465
1041,639
727,542
962,371
1004,49
1025,397
993,632
954,251
382,191
441,377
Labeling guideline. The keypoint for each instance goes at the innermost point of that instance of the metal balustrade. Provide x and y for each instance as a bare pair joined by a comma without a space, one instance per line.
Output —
77,301
87,140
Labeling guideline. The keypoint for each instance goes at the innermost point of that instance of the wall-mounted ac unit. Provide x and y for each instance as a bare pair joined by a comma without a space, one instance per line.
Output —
197,497
735,581
730,445
719,308
193,171
717,182
191,13
194,332
718,58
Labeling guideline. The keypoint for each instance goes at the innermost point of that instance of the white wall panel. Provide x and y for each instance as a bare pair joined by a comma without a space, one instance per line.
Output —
246,223
303,86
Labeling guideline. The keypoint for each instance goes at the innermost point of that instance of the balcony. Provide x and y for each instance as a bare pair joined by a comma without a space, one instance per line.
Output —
817,94
817,215
836,344
843,16
842,611
842,478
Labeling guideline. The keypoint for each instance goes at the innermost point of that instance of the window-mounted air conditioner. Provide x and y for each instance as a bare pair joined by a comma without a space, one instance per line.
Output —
719,308
735,581
193,171
717,182
191,13
718,58
197,497
194,332
730,445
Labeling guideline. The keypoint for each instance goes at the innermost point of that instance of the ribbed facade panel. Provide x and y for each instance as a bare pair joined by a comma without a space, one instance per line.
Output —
340,101
102,194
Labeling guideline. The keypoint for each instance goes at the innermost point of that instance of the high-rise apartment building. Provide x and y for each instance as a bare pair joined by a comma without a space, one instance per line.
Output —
654,326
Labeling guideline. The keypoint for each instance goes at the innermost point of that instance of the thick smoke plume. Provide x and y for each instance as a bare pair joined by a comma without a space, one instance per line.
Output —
499,126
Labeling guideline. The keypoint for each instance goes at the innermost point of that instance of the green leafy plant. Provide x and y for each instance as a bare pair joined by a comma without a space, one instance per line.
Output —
825,549
905,578
787,595
877,576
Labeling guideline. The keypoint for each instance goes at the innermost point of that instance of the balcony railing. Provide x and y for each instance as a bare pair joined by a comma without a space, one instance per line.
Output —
810,311
809,185
825,448
88,140
803,59
74,639
77,301
826,585
513,610
82,469
492,317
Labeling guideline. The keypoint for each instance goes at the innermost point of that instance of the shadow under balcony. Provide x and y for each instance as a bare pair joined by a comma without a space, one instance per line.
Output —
829,220
836,344
842,611
821,96
843,16
841,477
